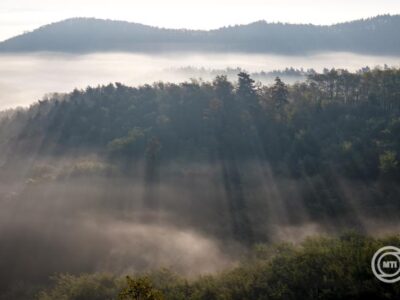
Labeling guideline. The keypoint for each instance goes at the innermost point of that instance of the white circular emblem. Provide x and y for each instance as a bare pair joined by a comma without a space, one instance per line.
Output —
385,264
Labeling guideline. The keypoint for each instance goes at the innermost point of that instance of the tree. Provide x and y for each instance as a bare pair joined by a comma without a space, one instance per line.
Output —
246,88
140,288
223,88
248,98
279,95
388,163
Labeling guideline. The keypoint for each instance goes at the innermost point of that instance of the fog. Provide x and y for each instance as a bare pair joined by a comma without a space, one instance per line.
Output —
25,78
78,212
62,215
54,220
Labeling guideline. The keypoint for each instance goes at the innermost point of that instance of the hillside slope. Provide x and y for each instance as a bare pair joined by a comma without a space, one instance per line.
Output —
377,35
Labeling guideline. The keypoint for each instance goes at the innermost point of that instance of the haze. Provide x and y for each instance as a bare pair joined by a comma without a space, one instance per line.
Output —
128,149
25,79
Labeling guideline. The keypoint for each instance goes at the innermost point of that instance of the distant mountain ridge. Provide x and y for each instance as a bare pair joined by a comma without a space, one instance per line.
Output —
377,35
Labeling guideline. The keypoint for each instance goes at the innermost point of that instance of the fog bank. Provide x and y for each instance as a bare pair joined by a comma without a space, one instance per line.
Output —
25,78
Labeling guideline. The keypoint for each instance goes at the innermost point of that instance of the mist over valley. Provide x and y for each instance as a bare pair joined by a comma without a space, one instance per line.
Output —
257,161
26,78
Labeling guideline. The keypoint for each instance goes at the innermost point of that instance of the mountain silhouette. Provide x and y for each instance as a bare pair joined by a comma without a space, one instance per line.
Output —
379,35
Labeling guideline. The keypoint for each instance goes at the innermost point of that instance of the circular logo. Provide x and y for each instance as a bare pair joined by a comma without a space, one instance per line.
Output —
385,264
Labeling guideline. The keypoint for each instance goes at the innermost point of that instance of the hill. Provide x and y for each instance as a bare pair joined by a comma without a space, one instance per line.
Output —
115,178
378,35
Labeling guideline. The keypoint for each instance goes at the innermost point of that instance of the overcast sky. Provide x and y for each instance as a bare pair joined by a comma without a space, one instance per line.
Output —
17,16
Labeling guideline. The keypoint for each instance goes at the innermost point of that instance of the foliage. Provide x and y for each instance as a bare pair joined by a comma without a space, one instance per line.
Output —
337,127
318,268
388,162
83,287
337,122
139,289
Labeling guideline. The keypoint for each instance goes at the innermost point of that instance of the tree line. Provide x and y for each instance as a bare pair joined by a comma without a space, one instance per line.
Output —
319,268
336,121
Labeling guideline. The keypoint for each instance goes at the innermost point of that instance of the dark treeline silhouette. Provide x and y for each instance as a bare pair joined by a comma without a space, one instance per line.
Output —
378,35
289,74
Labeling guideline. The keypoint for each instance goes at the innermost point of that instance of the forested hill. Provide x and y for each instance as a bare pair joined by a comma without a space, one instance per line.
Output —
378,35
337,121
236,161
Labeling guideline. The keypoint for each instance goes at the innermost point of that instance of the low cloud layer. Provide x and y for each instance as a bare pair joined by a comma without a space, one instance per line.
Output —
26,78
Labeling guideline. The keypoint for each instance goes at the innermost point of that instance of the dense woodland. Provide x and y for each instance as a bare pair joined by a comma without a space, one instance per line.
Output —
335,123
238,158
378,35
319,268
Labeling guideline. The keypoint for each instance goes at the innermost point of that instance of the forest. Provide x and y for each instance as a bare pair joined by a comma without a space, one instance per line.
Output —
376,35
318,268
337,123
251,169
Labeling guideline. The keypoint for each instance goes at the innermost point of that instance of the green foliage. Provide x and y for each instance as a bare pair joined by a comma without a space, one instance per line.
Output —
139,289
318,268
336,122
336,127
83,287
132,143
388,163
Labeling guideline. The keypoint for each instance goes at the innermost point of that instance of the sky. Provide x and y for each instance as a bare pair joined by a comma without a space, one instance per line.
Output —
17,16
